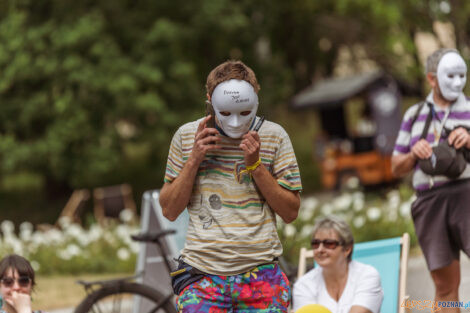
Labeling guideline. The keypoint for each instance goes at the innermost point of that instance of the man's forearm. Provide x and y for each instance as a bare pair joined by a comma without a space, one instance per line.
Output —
284,202
402,164
175,196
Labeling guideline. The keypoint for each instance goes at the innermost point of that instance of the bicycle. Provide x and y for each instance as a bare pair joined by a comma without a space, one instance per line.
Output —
121,295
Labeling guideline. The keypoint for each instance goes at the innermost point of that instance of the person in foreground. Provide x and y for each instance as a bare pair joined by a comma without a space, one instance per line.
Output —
338,283
234,181
441,212
16,284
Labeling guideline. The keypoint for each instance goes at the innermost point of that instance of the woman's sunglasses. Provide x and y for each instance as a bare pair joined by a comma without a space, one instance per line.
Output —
327,243
23,281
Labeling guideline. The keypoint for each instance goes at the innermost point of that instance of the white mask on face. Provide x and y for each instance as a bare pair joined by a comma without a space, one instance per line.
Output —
451,75
235,104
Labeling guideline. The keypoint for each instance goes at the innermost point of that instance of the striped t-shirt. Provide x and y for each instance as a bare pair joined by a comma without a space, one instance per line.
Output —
459,114
231,227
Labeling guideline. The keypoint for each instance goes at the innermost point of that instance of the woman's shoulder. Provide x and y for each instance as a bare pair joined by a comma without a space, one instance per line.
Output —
313,276
363,270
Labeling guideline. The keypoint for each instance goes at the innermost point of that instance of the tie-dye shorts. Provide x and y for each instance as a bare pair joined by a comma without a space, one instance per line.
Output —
264,289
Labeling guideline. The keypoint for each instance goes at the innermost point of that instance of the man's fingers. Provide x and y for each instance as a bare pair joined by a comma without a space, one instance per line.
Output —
251,139
202,125
452,138
460,141
206,132
250,145
209,139
422,151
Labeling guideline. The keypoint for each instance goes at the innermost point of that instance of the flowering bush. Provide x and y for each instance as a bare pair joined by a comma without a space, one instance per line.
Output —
72,249
371,216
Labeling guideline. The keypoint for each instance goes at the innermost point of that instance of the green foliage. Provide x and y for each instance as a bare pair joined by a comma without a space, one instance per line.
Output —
85,83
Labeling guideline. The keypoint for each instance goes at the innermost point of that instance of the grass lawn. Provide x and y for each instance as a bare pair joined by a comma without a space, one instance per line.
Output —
55,292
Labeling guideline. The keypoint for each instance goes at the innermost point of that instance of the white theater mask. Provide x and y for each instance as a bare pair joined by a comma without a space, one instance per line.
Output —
451,75
235,105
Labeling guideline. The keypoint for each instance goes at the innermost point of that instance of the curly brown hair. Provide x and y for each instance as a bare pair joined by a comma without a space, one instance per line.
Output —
231,69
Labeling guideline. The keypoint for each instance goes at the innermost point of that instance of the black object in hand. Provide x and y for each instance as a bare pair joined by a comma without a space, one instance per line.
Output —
210,111
258,125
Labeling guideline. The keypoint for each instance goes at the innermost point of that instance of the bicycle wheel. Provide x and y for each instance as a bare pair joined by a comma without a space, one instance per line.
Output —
126,297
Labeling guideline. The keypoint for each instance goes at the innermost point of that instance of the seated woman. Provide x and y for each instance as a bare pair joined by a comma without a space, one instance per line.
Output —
338,283
16,284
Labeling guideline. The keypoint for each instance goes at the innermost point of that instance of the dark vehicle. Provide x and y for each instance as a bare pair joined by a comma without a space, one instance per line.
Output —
360,118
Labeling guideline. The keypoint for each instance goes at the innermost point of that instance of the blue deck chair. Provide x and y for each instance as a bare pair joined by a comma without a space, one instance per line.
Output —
389,257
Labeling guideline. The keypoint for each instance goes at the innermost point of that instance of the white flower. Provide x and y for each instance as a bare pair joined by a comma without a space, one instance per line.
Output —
358,201
25,235
310,203
83,240
64,255
95,232
26,226
109,238
51,236
35,265
7,227
64,222
373,214
126,215
359,221
135,247
73,250
306,214
38,239
74,231
122,232
392,215
306,231
352,182
289,230
123,254
405,209
342,202
394,199
15,244
327,209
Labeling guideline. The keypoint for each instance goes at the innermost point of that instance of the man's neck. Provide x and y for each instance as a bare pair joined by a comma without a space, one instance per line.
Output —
440,101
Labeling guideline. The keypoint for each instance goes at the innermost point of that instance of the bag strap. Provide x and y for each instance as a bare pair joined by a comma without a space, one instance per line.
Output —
415,117
424,134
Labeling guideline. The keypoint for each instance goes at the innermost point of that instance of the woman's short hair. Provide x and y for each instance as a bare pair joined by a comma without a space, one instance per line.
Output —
17,262
340,227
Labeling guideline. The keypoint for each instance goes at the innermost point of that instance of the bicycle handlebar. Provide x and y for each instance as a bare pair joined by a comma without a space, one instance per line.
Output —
152,236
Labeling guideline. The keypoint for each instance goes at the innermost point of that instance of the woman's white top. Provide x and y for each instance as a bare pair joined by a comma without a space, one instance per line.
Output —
362,288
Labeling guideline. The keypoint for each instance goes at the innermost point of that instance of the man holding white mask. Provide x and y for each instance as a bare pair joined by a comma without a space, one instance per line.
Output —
440,213
234,181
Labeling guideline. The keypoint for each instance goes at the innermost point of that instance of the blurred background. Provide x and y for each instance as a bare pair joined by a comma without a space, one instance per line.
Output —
91,93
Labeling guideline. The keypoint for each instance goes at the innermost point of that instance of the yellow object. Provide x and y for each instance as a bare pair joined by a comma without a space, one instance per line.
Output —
313,308
248,170
254,166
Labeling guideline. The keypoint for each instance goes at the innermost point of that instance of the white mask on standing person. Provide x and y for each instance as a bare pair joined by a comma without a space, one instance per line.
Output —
451,75
235,105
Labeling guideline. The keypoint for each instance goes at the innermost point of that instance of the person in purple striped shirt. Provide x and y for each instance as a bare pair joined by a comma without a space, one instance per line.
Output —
441,213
